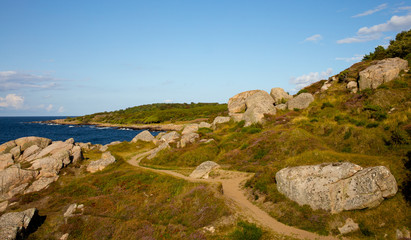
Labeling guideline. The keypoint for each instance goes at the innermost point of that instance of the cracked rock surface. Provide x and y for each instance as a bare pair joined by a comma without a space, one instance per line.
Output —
336,186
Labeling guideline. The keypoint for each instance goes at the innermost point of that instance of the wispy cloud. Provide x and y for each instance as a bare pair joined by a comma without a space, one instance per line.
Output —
355,58
13,80
372,11
365,34
61,109
12,101
309,78
314,38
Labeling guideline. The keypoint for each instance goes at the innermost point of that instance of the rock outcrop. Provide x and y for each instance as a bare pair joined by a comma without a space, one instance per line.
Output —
349,226
279,95
98,165
188,138
144,136
14,180
190,128
219,120
16,225
251,106
352,86
204,125
170,137
301,101
383,71
336,186
204,169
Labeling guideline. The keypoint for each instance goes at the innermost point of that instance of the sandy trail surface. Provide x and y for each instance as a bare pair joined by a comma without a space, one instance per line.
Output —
231,182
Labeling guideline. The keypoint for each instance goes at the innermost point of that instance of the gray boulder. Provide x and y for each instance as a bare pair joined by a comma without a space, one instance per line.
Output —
349,227
352,86
281,106
144,136
15,225
204,125
53,149
26,142
251,106
279,95
188,138
170,137
77,154
40,184
219,120
383,71
336,186
301,101
190,128
204,169
98,165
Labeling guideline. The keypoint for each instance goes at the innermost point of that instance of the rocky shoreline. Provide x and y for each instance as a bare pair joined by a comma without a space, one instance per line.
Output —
150,127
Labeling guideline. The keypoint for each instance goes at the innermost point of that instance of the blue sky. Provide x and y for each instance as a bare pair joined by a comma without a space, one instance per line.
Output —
80,57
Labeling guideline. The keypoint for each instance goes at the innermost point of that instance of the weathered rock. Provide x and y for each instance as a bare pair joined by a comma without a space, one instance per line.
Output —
301,101
30,151
64,236
279,95
55,148
352,86
170,137
70,141
336,186
219,120
251,106
190,128
258,104
6,159
144,136
3,206
349,226
106,159
281,106
204,125
85,146
72,209
26,142
103,148
16,151
236,104
326,85
7,146
383,71
204,169
77,154
48,166
13,180
163,146
14,225
40,184
188,138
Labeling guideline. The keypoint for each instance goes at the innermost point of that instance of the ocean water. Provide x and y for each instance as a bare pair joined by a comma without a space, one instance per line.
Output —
15,127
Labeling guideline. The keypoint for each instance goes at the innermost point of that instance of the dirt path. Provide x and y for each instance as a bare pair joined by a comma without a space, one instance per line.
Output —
231,182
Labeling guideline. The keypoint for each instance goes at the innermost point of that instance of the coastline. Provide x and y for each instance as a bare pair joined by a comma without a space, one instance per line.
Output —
150,127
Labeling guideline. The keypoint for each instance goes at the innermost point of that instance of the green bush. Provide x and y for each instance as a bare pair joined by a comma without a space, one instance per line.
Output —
246,231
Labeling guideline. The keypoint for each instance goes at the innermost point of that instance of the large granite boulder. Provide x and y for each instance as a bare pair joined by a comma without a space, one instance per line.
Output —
170,137
5,147
190,128
279,95
301,101
219,120
204,169
336,186
204,125
14,180
16,225
6,159
188,138
383,71
144,136
98,165
251,106
26,142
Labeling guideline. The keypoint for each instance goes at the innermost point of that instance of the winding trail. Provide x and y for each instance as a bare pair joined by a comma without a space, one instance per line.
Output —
231,183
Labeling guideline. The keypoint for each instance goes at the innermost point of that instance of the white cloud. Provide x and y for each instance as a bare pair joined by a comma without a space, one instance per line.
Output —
365,34
355,58
168,101
61,109
13,80
371,11
314,38
49,107
312,77
12,101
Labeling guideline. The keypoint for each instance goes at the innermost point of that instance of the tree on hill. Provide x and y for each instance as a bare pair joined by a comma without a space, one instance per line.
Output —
400,47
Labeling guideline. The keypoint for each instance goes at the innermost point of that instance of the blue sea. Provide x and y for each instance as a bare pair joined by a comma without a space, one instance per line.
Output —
15,127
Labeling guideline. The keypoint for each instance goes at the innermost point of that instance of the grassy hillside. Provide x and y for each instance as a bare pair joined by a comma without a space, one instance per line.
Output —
369,128
156,113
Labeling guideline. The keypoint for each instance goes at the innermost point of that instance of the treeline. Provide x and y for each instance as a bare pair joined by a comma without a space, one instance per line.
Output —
156,113
400,47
